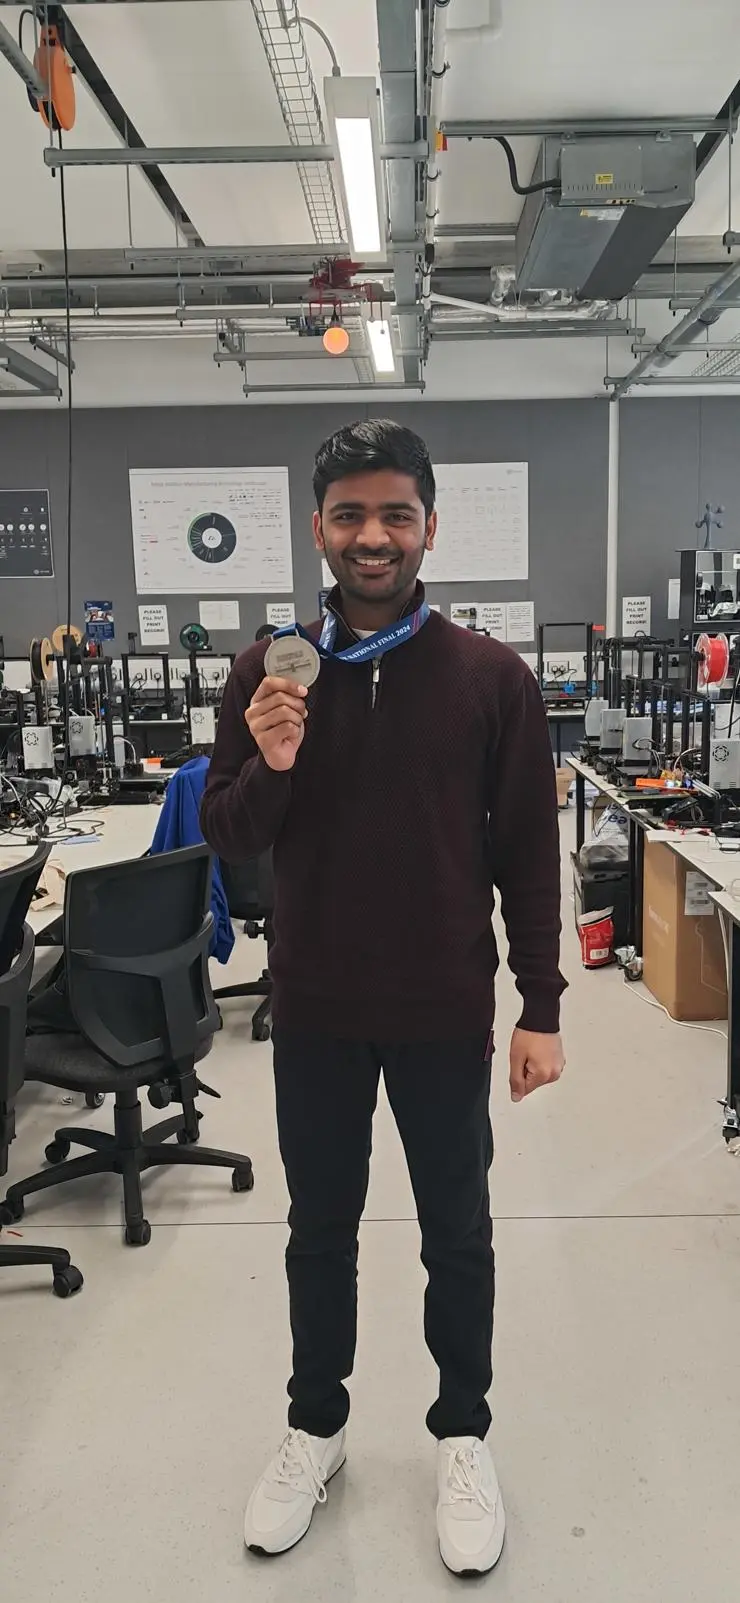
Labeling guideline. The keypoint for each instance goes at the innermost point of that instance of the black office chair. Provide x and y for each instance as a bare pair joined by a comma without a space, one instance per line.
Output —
249,893
136,939
17,885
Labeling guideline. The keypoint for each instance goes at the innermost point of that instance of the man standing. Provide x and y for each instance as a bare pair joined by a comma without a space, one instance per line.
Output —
411,777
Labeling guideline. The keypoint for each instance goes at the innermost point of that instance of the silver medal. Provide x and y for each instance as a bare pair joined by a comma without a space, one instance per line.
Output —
292,657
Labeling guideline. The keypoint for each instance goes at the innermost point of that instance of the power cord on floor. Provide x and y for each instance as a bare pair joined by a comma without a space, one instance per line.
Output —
650,1001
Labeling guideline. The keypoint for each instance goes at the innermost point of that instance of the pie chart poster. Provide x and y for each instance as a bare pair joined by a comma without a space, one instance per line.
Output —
213,531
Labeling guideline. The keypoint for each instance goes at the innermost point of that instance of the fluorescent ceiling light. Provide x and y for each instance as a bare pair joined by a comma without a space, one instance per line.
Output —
355,144
352,110
381,348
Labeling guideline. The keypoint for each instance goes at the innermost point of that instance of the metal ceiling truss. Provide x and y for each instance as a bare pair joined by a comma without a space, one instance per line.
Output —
20,62
544,127
218,155
41,380
253,289
676,340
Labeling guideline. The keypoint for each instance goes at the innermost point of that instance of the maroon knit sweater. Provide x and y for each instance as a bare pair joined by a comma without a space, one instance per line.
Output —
390,833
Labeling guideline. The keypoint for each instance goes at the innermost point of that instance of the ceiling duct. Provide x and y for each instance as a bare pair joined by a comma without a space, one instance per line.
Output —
612,204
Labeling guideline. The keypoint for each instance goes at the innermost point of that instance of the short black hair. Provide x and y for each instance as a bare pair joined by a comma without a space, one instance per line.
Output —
369,446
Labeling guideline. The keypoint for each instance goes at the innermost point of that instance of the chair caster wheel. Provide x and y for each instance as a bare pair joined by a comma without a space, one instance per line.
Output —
242,1179
67,1282
160,1094
139,1235
260,1032
94,1099
185,1139
11,1211
57,1151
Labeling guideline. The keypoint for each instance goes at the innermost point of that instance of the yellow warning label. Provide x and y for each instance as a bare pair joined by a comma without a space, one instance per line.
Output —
603,178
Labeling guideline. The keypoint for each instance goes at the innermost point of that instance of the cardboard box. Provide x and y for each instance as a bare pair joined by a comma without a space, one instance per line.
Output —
563,780
683,952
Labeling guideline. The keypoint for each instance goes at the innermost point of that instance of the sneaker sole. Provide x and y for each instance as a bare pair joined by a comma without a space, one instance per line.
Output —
276,1552
470,1573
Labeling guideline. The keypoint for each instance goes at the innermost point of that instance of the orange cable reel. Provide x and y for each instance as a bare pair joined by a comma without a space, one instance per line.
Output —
57,107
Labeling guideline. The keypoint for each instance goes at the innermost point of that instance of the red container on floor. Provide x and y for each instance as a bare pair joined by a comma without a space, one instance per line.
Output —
596,935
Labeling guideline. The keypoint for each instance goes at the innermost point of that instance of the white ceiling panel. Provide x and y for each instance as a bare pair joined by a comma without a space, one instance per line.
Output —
97,214
474,183
710,211
197,74
589,57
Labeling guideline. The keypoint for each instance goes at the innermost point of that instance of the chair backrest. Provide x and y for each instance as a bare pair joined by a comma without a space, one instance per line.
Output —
136,939
17,885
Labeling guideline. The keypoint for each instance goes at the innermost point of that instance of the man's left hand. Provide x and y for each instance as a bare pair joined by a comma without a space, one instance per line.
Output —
534,1060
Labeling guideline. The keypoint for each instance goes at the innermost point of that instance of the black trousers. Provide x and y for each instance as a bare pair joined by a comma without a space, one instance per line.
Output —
439,1092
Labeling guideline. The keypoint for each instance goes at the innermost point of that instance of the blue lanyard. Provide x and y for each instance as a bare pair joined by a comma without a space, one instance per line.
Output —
395,634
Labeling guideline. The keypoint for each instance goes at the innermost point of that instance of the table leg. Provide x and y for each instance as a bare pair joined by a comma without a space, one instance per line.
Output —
636,871
631,878
732,1109
559,742
637,888
580,810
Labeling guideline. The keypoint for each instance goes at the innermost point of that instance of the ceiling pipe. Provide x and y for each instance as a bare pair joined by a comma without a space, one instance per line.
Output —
471,333
438,70
673,341
589,311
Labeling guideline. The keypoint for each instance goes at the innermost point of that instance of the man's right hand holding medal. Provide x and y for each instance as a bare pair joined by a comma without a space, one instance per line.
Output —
276,720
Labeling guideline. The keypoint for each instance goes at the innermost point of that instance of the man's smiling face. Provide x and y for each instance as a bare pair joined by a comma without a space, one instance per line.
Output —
373,531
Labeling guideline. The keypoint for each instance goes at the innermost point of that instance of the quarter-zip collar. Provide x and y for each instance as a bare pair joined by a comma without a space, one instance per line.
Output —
345,634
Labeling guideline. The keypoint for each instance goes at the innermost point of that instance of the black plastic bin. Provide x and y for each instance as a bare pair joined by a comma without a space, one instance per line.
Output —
594,888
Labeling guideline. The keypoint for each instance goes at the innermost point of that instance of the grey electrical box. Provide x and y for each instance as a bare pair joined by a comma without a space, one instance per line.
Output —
592,720
724,764
203,725
637,744
612,727
600,170
38,749
82,735
613,203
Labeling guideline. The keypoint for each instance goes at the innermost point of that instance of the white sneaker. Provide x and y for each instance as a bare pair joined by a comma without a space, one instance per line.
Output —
471,1522
281,1507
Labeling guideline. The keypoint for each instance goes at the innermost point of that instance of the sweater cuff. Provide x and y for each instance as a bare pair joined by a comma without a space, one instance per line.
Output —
272,782
541,1013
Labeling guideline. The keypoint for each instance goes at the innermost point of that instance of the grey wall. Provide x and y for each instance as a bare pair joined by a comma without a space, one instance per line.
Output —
675,456
565,443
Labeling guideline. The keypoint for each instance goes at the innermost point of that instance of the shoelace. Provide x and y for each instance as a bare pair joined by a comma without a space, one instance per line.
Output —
295,1466
464,1477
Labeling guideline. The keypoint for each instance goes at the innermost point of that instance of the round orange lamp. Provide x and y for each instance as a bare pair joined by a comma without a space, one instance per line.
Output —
336,339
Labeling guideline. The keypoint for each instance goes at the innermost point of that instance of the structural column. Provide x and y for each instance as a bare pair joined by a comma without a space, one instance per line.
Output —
612,524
